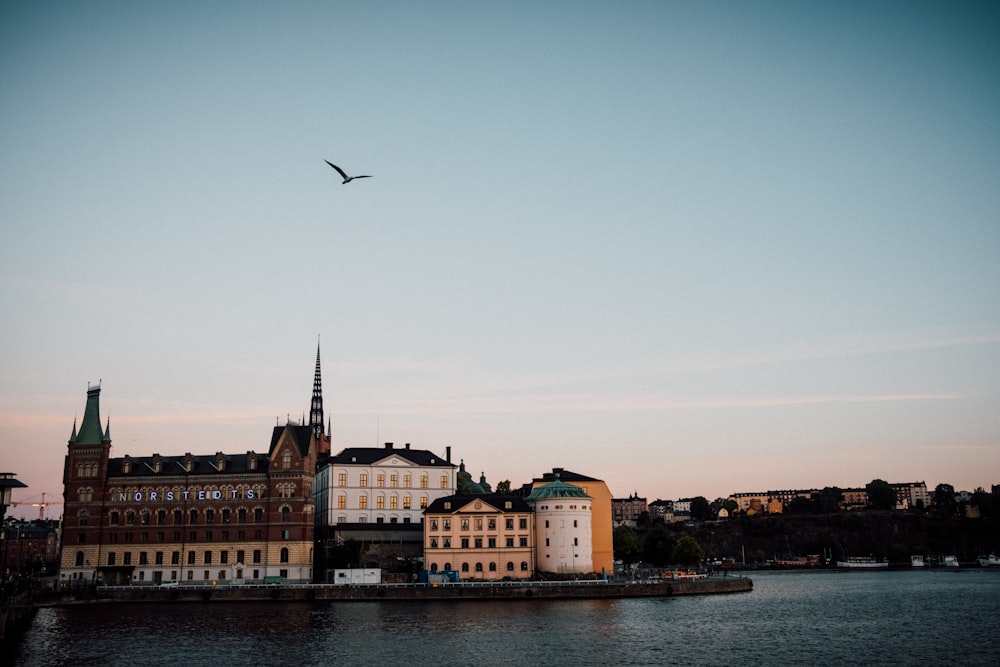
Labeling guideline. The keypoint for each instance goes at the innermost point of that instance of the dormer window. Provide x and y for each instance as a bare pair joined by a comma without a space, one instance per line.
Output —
126,465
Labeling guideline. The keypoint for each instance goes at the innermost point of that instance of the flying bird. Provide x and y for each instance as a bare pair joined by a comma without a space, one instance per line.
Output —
347,179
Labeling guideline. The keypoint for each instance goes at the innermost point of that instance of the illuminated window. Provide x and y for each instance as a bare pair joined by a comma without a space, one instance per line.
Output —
380,480
444,481
342,479
406,502
380,502
406,481
394,480
364,479
363,502
341,502
423,481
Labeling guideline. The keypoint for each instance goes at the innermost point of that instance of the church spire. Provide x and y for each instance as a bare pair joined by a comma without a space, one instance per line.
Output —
316,411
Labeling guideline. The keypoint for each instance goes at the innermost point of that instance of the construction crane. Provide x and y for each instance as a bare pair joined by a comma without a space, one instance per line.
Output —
41,505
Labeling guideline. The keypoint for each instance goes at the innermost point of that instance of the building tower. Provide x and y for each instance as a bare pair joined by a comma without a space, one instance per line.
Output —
316,411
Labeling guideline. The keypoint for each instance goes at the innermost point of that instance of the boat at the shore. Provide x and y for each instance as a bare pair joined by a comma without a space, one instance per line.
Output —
989,561
917,561
949,561
796,563
866,562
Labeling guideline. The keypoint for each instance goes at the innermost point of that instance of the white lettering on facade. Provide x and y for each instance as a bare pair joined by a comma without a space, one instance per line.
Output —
250,494
201,495
152,496
170,495
216,495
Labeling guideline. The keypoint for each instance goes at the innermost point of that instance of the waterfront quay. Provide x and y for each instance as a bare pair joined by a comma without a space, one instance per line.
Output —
513,590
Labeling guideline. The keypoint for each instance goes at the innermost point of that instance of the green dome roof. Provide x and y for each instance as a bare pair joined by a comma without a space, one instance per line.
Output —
557,489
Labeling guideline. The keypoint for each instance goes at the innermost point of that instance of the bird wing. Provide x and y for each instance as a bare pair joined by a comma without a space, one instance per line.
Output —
339,170
362,177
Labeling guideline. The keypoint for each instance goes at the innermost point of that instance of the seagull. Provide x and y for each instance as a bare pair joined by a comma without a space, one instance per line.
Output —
347,179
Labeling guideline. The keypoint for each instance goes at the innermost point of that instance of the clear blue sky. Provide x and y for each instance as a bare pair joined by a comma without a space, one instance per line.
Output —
691,248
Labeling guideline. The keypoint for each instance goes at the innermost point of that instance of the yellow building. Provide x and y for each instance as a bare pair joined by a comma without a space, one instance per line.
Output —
483,536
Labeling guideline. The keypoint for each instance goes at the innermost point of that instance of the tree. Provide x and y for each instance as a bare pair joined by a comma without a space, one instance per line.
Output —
800,505
503,487
881,496
657,545
944,499
700,509
687,551
626,544
828,500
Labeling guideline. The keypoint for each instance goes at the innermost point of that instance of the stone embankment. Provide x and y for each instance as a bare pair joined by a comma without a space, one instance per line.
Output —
451,591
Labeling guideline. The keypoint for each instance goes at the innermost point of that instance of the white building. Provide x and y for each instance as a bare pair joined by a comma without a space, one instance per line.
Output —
381,485
563,534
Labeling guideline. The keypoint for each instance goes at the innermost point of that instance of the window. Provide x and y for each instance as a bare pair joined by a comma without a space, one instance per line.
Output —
143,558
406,502
224,557
444,481
465,524
79,558
522,524
111,558
84,517
522,542
380,480
509,524
479,567
286,514
286,459
258,514
161,517
127,558
491,524
546,541
406,481
342,479
479,525
465,567
446,543
190,558
434,543
434,524
194,516
465,542
524,566
479,543
576,542
159,558
241,556
510,542
241,515
493,567
364,479
492,543
423,481
129,518
363,502
226,514
178,517
574,523
393,503
446,524
284,555
175,557
342,502
256,558
394,480
380,502
114,518
510,566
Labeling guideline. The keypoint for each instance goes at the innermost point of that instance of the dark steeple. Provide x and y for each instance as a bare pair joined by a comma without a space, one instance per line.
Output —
316,411
90,432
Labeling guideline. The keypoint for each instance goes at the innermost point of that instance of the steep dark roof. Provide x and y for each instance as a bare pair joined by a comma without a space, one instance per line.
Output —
300,434
370,455
557,474
172,466
458,501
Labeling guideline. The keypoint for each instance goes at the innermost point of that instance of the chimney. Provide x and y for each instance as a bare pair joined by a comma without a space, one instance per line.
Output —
388,445
407,445
447,453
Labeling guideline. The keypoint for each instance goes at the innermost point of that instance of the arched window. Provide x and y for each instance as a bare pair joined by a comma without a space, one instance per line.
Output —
510,566
194,516
84,517
465,567
493,567
286,460
286,513
434,567
114,518
447,566
284,555
479,567
524,566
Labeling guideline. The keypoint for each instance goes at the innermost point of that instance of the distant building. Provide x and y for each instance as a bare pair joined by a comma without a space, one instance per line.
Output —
188,518
563,534
627,511
662,509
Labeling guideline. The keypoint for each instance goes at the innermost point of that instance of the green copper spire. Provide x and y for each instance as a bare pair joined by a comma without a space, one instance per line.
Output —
90,429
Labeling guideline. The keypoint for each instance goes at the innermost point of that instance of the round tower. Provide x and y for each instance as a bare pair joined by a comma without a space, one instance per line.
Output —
563,533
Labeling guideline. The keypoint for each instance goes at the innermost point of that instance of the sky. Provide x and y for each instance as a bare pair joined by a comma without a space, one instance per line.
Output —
690,248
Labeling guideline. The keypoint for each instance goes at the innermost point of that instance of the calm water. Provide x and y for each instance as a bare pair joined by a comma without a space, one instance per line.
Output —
922,618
